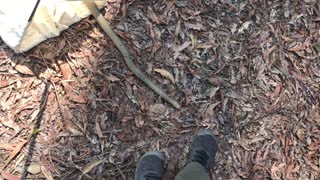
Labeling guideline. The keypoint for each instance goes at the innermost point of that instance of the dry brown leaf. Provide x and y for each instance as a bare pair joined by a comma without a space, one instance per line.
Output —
88,167
277,90
77,98
72,128
6,146
193,42
178,29
66,71
124,10
289,169
297,48
4,83
61,44
46,173
34,169
207,45
105,90
300,133
157,45
213,92
112,78
16,150
149,132
23,69
296,169
44,162
67,87
298,75
157,109
165,74
211,107
313,147
98,129
244,26
96,33
287,39
138,120
9,176
180,48
11,124
276,168
196,26
50,52
77,55
140,96
314,70
211,59
151,32
153,15
313,166
2,54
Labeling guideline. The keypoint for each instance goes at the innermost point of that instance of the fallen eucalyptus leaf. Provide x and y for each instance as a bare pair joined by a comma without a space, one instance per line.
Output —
165,74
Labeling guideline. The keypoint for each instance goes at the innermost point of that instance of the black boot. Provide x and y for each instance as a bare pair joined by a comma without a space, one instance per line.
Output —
150,166
203,149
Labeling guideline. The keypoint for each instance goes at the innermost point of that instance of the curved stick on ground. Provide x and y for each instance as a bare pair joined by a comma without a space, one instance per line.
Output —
104,24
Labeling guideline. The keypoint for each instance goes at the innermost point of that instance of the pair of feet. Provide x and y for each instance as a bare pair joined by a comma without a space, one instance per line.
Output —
203,150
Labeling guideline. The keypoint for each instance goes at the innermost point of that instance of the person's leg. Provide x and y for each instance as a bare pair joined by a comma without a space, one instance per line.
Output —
150,166
201,157
193,171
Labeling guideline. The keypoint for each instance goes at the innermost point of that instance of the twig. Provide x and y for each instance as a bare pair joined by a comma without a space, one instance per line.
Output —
123,176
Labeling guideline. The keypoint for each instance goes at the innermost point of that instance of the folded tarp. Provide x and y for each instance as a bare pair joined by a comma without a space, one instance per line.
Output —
24,24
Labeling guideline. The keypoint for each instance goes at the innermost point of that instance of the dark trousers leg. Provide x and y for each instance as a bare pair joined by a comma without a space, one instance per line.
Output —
193,171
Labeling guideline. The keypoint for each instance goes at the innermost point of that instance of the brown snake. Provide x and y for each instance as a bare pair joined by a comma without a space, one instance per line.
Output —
128,58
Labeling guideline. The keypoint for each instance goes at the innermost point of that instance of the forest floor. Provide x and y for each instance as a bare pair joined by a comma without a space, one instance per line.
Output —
248,70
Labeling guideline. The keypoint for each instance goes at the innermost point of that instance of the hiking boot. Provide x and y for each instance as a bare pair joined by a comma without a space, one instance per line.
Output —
150,166
203,149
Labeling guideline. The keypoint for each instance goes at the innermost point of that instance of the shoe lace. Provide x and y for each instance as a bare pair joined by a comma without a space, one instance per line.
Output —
201,157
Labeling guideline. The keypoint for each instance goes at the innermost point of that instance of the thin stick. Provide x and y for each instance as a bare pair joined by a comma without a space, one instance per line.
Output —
104,24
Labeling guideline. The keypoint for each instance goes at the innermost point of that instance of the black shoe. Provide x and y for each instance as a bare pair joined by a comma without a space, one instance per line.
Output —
203,149
150,166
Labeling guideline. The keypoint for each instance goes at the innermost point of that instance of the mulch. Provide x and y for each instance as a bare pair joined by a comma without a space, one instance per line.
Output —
248,70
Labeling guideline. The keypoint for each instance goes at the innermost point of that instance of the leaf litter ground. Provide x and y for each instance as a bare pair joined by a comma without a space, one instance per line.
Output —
248,70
